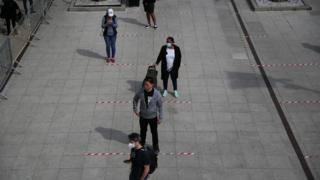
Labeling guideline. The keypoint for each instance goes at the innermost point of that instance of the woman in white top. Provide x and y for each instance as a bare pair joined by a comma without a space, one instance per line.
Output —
170,57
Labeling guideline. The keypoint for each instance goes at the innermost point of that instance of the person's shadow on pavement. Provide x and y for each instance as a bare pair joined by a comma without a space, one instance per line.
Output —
89,53
312,47
134,85
112,134
131,21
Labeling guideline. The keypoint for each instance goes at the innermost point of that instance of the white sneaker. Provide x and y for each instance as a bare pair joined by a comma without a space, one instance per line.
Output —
176,94
165,93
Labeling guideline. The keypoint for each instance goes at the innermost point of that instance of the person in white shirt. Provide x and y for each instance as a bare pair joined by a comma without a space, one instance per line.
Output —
170,58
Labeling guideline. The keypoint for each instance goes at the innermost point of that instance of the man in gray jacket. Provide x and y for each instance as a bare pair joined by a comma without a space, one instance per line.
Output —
150,111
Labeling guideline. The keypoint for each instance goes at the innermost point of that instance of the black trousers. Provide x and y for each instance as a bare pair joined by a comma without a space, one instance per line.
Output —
166,78
154,131
8,22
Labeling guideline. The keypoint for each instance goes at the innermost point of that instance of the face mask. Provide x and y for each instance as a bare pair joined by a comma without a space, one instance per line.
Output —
131,145
169,45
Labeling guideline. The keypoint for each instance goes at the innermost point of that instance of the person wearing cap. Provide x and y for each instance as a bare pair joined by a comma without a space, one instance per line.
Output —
148,6
170,58
109,25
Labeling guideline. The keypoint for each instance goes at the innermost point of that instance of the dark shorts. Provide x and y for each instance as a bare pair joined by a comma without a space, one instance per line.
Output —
149,8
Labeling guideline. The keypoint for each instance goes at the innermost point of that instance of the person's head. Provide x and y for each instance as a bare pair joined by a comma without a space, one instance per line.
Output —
134,140
148,84
170,41
110,12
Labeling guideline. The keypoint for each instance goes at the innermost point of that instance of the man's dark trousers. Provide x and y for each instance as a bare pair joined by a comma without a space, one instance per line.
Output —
154,131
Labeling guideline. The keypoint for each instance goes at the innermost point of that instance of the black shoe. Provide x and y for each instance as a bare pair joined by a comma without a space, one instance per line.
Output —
156,150
127,161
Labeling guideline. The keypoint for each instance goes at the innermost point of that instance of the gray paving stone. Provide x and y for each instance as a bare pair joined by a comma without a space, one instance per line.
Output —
231,125
70,174
94,173
48,162
49,174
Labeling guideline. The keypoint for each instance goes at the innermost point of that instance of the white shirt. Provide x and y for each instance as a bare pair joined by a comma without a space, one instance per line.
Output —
170,58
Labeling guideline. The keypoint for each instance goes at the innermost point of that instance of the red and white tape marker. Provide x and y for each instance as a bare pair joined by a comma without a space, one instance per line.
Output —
114,102
173,101
130,35
286,65
128,102
123,153
301,102
120,64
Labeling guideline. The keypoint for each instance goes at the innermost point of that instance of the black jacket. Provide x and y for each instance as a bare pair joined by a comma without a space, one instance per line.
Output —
163,59
9,9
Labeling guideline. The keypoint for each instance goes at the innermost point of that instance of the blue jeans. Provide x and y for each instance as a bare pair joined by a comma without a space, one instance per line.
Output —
110,45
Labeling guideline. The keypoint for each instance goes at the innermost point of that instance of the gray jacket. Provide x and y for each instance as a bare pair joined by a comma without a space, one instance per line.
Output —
154,106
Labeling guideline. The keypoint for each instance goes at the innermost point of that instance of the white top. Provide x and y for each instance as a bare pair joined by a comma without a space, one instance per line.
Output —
170,58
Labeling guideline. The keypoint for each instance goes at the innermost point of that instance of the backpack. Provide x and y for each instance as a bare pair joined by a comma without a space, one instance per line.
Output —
153,158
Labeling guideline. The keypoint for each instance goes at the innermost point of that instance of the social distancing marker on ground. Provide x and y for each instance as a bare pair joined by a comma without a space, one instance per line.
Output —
130,35
301,102
170,101
114,102
287,65
123,153
132,64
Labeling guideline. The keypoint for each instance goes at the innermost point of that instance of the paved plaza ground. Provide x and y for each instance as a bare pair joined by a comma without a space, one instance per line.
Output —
52,117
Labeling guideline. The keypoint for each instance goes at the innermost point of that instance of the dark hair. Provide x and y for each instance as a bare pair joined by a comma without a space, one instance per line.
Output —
134,137
170,38
148,79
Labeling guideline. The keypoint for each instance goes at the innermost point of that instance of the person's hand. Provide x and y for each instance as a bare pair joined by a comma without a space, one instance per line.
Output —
137,114
158,121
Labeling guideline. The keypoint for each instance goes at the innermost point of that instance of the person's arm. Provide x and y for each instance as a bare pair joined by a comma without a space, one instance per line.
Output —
16,6
115,22
103,23
146,165
178,54
135,103
160,56
146,169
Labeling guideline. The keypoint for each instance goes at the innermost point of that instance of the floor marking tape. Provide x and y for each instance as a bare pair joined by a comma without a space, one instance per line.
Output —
114,102
123,153
301,102
128,102
131,64
287,65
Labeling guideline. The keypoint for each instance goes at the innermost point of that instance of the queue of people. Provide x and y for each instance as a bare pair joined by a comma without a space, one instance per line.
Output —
143,159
